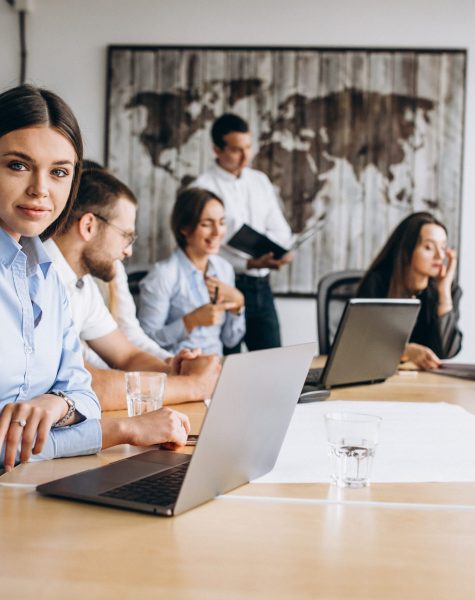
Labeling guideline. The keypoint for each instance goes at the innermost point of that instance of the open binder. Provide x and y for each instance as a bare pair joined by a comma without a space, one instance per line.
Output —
250,241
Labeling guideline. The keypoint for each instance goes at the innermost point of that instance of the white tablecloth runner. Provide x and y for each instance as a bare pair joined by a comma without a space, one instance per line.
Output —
419,442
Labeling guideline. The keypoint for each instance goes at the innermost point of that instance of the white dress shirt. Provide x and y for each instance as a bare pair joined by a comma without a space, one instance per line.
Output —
125,313
91,316
251,199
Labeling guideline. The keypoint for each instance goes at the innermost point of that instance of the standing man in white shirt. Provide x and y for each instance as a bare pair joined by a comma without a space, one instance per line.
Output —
249,198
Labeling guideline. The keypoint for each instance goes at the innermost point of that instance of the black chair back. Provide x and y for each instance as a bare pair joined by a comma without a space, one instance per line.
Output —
134,279
334,290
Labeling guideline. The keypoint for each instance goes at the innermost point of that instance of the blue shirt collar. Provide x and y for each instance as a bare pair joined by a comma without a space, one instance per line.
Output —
32,248
190,268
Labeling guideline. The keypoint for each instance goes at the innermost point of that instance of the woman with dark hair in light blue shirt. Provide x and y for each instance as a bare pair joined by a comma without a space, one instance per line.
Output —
47,406
189,300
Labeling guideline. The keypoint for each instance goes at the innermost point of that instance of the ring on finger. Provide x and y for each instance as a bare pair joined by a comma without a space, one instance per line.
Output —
20,422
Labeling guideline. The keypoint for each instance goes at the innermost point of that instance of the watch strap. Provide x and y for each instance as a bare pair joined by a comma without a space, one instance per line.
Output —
71,407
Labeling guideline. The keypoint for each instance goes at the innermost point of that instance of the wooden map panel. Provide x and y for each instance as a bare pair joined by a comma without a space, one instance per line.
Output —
353,140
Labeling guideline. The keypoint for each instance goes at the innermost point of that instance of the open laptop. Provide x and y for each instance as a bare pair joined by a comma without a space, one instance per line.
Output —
368,345
240,439
455,369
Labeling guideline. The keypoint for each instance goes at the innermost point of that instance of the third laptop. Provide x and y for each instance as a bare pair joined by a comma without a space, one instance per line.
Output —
368,344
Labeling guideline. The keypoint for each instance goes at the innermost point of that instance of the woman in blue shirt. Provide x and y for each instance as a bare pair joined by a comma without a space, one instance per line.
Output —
189,300
47,406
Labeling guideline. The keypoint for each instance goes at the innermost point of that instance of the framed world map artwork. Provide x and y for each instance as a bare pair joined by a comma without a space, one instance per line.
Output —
352,139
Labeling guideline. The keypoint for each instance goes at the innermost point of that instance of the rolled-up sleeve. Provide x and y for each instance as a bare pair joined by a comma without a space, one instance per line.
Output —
77,440
234,326
233,329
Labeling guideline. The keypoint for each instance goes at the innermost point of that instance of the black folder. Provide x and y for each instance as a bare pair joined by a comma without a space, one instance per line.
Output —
256,244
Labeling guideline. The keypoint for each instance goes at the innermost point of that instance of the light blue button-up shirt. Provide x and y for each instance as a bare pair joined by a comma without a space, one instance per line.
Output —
175,287
39,347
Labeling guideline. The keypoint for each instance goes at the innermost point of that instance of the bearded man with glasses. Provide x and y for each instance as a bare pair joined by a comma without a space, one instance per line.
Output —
98,235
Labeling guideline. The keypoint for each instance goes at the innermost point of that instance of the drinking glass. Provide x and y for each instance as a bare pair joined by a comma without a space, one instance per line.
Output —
144,391
352,440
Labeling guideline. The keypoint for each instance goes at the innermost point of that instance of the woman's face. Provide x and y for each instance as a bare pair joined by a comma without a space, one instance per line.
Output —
209,233
429,253
36,174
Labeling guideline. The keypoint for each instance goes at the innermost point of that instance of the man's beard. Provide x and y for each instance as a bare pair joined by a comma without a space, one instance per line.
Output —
96,266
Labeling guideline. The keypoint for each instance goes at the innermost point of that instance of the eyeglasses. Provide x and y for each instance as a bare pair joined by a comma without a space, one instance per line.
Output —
130,238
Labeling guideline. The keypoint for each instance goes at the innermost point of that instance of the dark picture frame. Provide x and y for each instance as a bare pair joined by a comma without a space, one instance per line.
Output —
353,139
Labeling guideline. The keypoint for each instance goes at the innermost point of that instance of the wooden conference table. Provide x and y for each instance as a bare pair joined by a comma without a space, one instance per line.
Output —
388,541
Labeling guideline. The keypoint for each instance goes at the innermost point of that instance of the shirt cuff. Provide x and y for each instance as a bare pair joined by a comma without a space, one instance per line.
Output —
87,406
77,440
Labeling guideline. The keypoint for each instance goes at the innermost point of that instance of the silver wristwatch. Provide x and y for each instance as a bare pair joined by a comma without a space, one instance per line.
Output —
71,407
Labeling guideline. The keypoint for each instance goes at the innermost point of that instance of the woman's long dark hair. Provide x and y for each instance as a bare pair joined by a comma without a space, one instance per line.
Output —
394,259
29,106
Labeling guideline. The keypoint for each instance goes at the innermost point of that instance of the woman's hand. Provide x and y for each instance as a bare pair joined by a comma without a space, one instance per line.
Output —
207,315
445,281
28,423
226,293
421,356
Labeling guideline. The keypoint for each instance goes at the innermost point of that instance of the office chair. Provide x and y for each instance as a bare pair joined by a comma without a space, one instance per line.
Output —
334,289
134,279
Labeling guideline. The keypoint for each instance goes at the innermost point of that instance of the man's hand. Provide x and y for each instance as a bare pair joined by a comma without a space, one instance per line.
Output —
267,261
206,315
184,354
204,370
164,426
28,423
421,356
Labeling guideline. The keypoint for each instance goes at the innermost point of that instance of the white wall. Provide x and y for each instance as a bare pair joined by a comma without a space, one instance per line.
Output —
67,42
298,320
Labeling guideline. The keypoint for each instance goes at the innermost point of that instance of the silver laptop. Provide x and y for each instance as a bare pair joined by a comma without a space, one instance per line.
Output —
454,369
368,345
240,439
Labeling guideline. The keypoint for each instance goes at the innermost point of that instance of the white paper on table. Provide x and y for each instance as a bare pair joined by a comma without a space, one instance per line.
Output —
418,442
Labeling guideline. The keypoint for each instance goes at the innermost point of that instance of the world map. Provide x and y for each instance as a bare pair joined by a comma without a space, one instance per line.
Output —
303,142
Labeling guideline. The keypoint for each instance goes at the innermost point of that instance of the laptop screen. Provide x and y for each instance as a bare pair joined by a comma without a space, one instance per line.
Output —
370,340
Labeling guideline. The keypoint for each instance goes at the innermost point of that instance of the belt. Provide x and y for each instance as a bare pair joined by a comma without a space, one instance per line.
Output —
252,279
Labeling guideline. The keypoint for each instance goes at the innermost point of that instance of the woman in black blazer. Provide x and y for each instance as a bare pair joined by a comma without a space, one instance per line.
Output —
416,262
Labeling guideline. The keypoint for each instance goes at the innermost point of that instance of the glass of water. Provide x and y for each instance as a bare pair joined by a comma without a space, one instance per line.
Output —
144,391
352,440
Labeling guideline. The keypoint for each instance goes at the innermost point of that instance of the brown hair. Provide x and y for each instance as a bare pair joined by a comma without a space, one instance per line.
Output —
187,212
394,260
29,106
98,193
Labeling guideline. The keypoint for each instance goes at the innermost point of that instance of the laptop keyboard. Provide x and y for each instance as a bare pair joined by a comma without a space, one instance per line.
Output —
160,489
314,376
